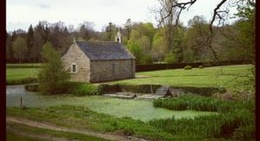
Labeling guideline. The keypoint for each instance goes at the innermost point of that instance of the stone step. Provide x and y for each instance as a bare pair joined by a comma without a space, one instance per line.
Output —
162,90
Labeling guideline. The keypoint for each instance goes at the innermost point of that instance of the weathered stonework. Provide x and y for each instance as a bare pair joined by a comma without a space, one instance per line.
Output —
88,70
111,70
75,56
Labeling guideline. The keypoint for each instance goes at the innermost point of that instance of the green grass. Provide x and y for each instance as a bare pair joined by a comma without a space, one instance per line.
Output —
17,76
208,128
14,129
236,119
232,77
21,73
83,118
10,136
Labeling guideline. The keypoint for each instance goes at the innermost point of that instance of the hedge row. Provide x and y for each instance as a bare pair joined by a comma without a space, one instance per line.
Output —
76,88
153,67
146,88
22,81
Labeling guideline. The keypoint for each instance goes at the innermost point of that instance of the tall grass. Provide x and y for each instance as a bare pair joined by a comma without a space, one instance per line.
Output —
235,120
201,103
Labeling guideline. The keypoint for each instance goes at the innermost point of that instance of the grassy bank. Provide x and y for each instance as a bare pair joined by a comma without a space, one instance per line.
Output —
235,125
236,120
238,77
83,118
16,76
21,132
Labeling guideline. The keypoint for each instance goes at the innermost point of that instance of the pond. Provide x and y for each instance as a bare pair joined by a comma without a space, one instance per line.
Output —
134,108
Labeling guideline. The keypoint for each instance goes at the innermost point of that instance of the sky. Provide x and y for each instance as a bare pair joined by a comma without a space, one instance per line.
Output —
21,13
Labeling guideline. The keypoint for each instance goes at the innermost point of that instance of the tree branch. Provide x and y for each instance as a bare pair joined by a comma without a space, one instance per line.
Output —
174,4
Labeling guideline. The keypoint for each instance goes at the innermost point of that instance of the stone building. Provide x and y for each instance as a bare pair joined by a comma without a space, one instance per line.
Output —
99,61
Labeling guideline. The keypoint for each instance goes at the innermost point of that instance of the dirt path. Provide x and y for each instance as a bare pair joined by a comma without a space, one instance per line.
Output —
57,128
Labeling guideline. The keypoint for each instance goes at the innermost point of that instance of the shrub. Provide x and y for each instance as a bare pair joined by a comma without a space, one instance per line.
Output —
170,58
22,81
203,91
81,89
187,68
52,76
32,87
200,66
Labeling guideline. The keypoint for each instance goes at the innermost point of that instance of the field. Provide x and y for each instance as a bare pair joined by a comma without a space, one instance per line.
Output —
21,73
201,118
232,77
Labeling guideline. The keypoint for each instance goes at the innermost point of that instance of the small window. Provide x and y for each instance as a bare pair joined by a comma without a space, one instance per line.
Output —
74,68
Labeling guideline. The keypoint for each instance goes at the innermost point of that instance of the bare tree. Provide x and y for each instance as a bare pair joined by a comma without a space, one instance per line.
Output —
174,7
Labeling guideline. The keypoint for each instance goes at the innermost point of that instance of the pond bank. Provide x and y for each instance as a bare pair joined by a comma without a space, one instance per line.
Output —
134,108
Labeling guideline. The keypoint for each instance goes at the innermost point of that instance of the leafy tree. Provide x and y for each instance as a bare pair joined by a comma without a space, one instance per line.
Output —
40,37
52,76
128,27
136,50
110,31
159,49
30,40
196,37
86,31
20,49
8,47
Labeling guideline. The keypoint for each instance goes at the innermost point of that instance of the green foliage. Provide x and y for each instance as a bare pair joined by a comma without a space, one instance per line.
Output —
170,58
16,129
235,119
81,89
21,81
10,136
187,67
32,87
83,118
52,76
74,88
20,48
201,103
201,66
136,50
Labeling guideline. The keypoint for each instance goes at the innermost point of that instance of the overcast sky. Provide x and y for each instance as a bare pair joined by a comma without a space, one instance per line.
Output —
22,13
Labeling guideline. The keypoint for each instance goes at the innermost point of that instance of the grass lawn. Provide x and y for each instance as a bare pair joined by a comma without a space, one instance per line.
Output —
234,77
112,115
21,73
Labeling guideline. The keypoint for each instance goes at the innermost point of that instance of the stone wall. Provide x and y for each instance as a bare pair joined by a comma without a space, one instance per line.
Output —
111,70
75,56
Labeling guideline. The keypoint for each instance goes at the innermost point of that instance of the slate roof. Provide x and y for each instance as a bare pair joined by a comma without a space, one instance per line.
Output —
105,50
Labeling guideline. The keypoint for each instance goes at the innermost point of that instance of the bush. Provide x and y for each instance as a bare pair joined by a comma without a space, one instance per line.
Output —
170,58
53,77
202,91
22,81
200,66
187,68
32,87
81,89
